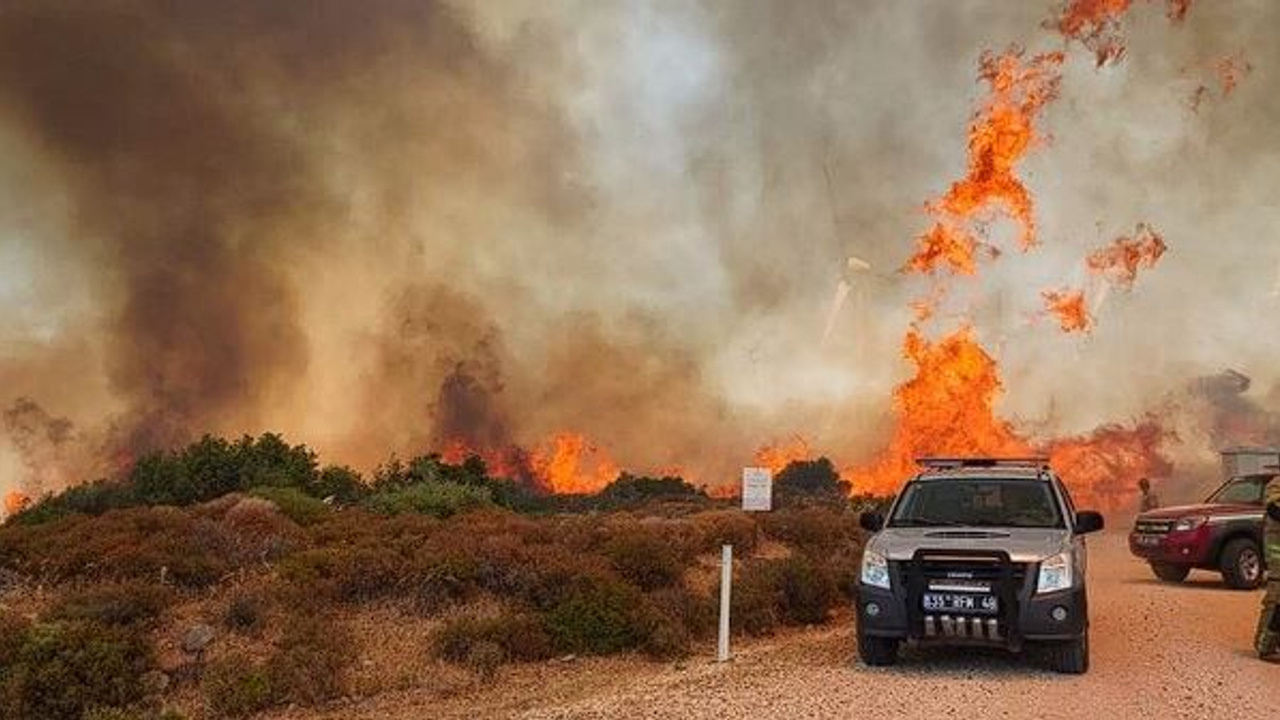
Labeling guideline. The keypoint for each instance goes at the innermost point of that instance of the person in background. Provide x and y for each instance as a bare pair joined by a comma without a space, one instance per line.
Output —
1149,500
1267,638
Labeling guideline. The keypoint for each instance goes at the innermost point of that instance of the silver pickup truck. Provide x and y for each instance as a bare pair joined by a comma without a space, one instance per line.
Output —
978,551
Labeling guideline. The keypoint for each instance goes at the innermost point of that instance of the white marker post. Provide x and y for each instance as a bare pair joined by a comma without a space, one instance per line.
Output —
726,579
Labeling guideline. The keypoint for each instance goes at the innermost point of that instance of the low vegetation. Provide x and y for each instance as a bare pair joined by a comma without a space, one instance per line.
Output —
237,573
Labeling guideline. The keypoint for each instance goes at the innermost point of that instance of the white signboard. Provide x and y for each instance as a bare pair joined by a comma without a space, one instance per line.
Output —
757,489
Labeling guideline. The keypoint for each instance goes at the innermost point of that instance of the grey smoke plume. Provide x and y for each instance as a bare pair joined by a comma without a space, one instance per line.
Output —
373,225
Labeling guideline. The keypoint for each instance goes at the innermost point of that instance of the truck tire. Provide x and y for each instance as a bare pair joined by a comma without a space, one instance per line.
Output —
1169,572
1241,564
1070,657
877,651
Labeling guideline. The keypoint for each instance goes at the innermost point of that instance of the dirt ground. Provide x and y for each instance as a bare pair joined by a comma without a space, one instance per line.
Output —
1169,651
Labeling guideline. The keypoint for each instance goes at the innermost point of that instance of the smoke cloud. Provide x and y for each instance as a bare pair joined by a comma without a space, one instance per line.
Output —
379,226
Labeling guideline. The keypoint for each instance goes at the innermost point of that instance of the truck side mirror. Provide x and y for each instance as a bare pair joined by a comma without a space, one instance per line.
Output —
871,521
1088,521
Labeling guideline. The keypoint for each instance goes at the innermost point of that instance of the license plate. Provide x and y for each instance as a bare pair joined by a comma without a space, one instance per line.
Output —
952,602
1148,540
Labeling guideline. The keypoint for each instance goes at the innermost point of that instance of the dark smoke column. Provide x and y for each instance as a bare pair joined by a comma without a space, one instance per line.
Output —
183,188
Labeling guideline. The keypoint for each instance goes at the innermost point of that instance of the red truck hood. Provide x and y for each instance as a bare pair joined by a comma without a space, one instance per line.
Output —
1179,511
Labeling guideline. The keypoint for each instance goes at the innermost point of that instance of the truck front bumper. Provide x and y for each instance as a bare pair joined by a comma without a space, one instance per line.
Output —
1060,615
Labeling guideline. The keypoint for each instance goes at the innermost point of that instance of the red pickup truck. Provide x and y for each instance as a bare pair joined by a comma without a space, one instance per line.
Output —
1224,533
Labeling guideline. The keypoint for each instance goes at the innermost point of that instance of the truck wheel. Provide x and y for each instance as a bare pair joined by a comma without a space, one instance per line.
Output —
1169,572
1241,564
877,651
1070,656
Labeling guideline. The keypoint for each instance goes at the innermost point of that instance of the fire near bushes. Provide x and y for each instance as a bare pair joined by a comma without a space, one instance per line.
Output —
261,561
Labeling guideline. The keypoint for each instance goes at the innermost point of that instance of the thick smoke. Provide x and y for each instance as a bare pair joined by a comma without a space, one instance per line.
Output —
377,226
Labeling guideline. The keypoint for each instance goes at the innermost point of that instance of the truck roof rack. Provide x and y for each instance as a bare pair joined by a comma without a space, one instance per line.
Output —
962,462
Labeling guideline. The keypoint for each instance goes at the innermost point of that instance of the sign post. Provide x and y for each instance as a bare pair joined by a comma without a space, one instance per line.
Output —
726,579
757,489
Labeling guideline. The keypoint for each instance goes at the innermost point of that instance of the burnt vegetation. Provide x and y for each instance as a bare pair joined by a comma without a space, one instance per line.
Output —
268,561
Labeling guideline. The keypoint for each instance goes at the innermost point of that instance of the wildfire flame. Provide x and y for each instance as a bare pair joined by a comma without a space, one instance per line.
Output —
1069,308
1000,135
1096,24
567,463
948,407
1231,70
777,456
1120,261
15,502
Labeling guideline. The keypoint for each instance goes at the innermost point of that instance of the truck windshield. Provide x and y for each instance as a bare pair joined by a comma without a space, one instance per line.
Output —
1245,490
977,502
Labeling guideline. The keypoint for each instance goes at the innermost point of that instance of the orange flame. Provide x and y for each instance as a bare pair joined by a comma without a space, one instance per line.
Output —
1231,70
777,456
1120,261
15,502
571,464
1000,135
1068,307
946,409
566,463
1096,24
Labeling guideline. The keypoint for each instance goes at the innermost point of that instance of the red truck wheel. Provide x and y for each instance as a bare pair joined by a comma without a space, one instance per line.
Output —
1241,564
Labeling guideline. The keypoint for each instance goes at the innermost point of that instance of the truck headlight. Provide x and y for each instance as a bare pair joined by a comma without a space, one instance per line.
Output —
1055,573
875,569
1188,524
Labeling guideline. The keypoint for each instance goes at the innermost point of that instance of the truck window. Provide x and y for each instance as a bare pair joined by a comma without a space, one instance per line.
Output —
1241,490
977,502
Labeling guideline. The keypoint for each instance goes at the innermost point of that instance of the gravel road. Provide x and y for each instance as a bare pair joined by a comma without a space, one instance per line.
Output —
1159,651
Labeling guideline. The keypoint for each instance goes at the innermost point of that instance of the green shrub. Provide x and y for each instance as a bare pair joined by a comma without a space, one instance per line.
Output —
754,599
645,556
245,613
132,713
631,490
676,618
806,482
64,669
814,530
599,618
128,603
519,637
235,688
727,527
808,591
354,575
310,662
437,499
294,504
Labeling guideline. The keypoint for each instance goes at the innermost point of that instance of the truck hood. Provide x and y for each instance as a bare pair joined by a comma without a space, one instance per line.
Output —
1210,509
1022,544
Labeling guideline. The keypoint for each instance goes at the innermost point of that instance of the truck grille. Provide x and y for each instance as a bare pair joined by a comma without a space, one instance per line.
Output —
1152,527
988,573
